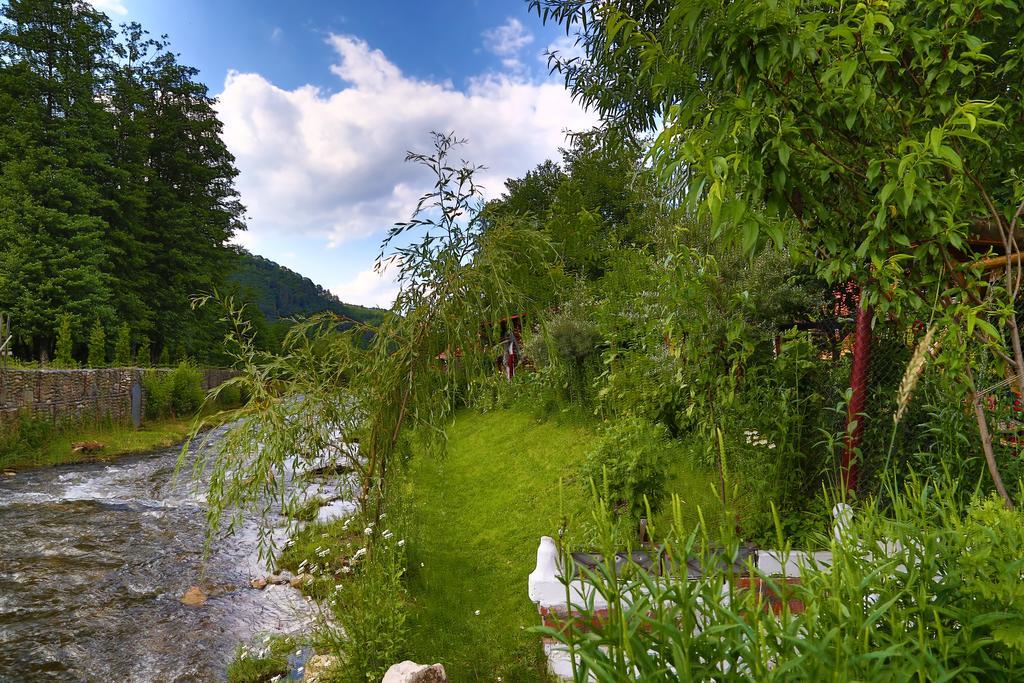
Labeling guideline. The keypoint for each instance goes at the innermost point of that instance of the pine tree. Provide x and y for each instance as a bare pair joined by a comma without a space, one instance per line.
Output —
143,356
65,343
116,189
97,346
123,347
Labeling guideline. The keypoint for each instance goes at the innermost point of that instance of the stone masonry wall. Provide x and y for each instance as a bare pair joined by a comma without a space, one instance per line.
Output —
74,395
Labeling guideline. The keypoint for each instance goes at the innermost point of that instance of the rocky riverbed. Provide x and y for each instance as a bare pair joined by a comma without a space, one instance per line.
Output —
95,561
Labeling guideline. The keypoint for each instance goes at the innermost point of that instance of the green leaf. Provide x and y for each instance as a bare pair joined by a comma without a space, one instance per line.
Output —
848,69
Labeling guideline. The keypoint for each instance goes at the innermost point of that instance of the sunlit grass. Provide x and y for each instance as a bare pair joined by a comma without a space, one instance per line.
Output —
478,515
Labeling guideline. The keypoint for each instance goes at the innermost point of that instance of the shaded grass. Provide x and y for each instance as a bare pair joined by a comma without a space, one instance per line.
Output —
260,666
117,439
478,515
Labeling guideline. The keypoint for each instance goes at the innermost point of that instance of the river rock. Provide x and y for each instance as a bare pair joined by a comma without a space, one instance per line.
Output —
411,672
87,447
258,583
194,597
318,666
300,580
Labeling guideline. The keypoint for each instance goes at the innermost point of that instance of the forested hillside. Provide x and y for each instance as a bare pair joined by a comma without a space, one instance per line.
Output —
116,190
279,292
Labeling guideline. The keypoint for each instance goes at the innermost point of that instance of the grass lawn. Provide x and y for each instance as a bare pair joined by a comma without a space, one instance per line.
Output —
479,514
117,439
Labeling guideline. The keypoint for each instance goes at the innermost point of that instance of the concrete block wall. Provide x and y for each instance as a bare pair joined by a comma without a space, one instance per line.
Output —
75,395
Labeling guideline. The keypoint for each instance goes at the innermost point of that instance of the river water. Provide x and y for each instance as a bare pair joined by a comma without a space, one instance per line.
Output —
94,559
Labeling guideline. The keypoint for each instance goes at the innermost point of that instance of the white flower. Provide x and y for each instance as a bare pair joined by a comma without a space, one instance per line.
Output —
359,553
422,565
401,542
387,534
477,612
346,569
368,530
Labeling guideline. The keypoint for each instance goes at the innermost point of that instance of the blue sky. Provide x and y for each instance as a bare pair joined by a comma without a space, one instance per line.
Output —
321,100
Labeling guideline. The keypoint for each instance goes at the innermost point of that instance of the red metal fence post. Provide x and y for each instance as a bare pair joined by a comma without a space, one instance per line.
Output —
858,399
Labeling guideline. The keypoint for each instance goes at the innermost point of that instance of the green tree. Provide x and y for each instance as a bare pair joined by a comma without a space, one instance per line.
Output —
888,133
143,355
116,194
123,347
65,343
97,346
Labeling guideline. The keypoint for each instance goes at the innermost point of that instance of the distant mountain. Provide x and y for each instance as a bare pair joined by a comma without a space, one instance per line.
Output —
279,292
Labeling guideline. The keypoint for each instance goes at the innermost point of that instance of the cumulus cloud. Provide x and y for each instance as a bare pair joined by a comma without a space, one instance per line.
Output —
566,47
370,288
110,6
332,164
508,39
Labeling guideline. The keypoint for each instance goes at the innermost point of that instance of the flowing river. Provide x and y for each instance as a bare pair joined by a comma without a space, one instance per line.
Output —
94,560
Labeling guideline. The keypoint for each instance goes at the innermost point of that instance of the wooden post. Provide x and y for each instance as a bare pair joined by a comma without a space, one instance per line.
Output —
858,399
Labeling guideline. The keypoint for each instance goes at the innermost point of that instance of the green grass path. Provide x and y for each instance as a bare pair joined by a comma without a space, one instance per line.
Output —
478,514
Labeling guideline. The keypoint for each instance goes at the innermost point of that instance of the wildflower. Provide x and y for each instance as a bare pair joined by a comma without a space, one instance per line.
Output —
387,534
368,530
359,553
477,612
422,565
346,569
401,542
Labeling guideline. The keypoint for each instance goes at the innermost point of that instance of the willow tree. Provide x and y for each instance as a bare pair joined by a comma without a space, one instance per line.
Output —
328,389
887,131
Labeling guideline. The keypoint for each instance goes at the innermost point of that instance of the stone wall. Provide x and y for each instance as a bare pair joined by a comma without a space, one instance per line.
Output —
75,395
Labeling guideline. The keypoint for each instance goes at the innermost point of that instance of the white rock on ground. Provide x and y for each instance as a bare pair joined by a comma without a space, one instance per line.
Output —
317,666
411,672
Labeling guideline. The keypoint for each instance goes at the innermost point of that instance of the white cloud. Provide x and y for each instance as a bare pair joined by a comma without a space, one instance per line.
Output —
276,34
332,164
110,6
369,288
567,47
508,39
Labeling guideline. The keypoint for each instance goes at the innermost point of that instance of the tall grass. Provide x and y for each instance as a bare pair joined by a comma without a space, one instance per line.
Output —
925,590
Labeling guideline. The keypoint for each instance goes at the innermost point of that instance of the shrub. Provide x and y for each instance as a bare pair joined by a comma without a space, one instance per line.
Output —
186,389
123,347
629,464
97,346
143,357
64,357
230,396
158,394
25,438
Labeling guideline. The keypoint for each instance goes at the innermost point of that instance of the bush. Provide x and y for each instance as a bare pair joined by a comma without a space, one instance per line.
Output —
186,389
65,343
123,347
26,437
629,464
158,394
97,346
